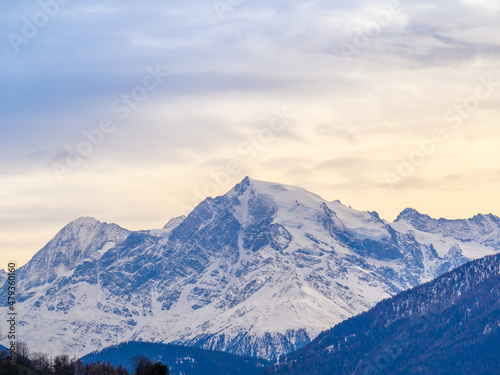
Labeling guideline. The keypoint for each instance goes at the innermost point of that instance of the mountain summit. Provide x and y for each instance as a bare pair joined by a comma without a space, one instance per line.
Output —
83,239
258,271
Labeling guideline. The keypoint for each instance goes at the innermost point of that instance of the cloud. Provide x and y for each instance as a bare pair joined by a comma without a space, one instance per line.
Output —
355,116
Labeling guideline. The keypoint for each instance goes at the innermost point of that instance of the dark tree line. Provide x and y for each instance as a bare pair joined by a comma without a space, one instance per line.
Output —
41,364
143,366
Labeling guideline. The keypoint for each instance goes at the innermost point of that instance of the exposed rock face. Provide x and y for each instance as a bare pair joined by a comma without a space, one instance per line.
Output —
259,271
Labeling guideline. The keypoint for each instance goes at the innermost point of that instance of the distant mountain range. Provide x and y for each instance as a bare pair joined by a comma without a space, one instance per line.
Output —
450,325
259,271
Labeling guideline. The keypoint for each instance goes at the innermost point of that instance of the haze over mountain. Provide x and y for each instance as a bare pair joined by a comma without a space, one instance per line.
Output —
259,271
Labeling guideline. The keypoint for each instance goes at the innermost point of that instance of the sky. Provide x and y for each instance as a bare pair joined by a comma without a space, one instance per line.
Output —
133,113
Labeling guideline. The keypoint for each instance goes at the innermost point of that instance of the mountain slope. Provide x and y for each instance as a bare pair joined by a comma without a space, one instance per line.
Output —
450,325
83,239
482,229
180,360
259,271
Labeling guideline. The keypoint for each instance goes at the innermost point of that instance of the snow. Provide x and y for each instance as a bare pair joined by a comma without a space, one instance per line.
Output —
107,246
311,284
174,222
443,243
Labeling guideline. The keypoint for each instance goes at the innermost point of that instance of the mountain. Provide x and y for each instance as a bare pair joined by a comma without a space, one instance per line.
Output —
81,240
179,359
172,223
3,277
259,271
450,325
483,229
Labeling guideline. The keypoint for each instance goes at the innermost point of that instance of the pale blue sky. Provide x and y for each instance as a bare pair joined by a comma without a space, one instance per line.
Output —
364,81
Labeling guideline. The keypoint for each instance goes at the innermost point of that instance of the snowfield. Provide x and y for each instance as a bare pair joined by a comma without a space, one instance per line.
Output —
260,271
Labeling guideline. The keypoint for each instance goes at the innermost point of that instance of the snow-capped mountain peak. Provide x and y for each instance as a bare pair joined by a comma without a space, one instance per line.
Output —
260,271
480,229
82,239
296,207
410,214
174,222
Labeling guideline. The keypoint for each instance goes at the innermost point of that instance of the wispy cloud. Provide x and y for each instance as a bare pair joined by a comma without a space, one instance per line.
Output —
355,118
